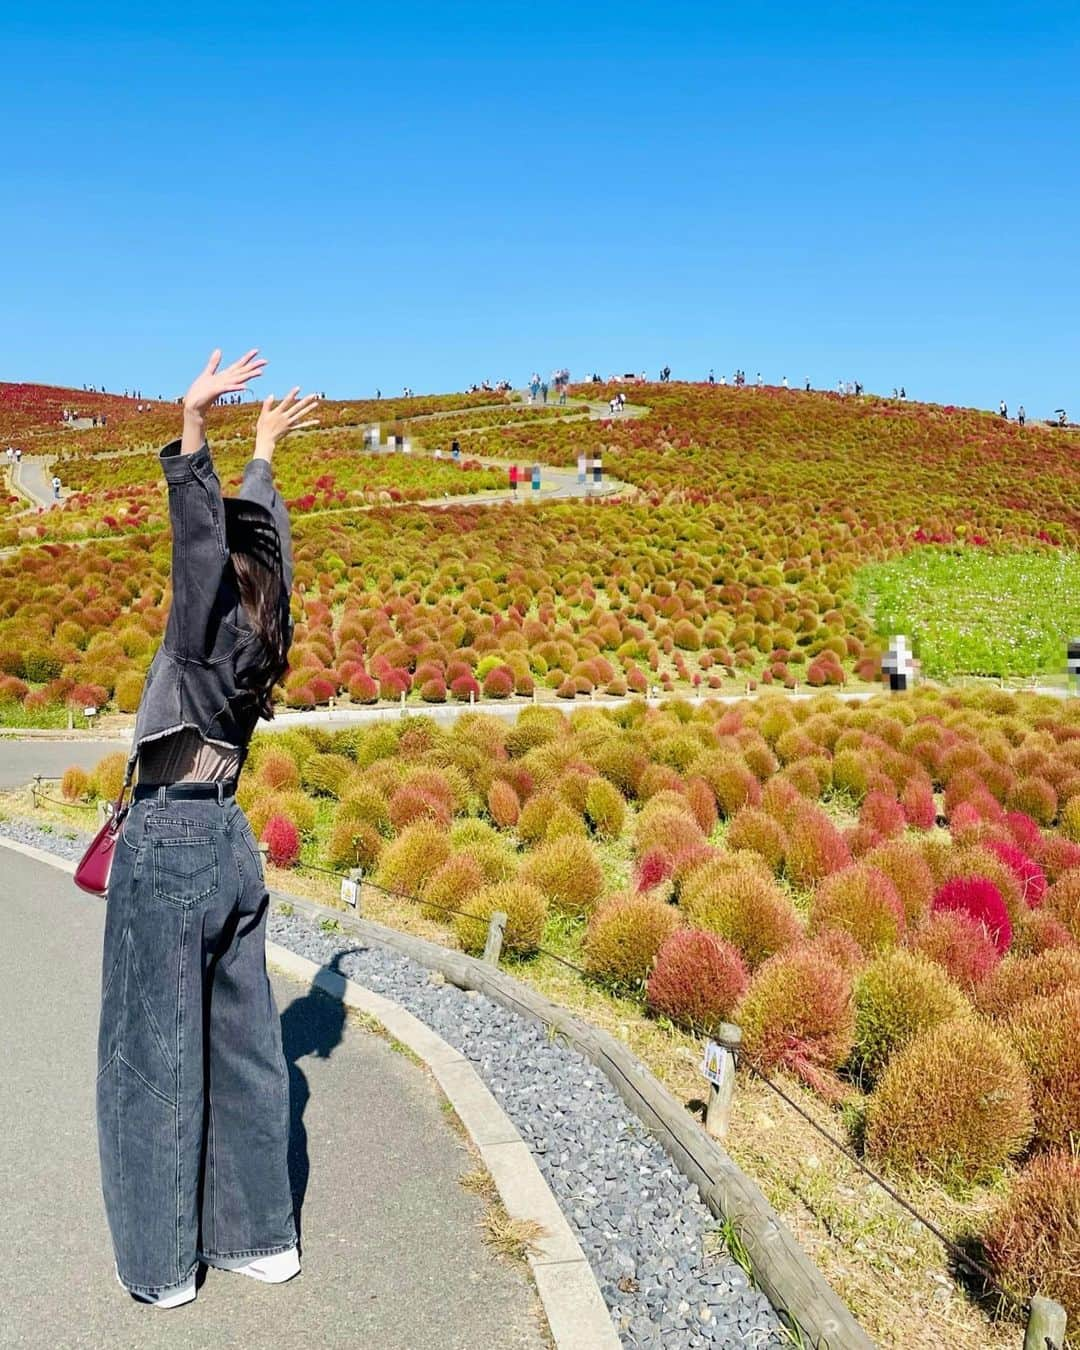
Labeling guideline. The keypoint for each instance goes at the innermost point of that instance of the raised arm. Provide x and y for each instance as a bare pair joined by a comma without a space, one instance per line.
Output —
196,511
275,423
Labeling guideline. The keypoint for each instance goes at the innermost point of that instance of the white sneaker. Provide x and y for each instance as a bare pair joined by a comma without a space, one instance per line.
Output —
177,1299
273,1269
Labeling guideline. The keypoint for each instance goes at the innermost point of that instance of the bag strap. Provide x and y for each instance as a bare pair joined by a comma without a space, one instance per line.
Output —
118,805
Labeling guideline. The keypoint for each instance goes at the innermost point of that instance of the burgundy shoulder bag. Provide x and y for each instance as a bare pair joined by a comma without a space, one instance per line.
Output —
92,872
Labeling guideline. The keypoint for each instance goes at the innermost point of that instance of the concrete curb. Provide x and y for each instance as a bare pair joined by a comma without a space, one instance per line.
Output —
576,1313
575,1309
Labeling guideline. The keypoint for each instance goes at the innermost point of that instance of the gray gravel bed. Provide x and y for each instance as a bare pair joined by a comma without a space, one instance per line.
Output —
640,1222
63,840
650,1239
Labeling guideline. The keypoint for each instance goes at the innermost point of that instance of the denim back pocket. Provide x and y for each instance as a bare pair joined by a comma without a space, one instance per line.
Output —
185,869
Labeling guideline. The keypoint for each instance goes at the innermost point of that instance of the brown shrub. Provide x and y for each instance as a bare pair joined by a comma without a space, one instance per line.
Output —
742,903
863,902
526,913
1032,1241
1046,1032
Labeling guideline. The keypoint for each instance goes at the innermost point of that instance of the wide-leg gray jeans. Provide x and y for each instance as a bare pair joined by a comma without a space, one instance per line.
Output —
192,1084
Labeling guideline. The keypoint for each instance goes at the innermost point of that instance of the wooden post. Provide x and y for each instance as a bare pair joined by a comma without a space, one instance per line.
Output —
534,698
104,811
496,929
718,1111
35,790
472,697
71,719
1046,1325
404,712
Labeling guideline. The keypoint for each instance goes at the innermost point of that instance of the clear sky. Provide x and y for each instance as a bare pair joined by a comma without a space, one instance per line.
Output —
380,194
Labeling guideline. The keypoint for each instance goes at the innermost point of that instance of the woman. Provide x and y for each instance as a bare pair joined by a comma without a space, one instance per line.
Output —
192,1087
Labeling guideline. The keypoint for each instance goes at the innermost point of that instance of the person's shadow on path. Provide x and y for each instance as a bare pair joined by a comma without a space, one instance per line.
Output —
311,1025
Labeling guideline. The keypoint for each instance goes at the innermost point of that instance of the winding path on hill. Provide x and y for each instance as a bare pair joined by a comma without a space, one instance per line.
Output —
393,1255
32,476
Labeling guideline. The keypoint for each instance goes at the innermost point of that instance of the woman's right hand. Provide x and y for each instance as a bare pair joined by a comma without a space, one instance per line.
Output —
212,382
208,387
275,423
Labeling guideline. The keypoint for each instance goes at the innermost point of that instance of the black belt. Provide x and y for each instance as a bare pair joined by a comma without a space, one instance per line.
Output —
193,791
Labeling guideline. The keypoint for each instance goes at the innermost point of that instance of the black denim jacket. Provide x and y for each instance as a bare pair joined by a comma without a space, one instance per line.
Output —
197,676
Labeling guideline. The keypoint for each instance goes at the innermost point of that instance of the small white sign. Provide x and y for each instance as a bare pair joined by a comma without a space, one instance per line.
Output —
89,712
349,892
712,1063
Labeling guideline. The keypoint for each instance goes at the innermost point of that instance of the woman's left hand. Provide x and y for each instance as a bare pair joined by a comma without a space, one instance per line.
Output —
274,424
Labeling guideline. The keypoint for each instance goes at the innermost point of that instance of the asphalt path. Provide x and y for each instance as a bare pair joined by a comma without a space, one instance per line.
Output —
392,1248
21,760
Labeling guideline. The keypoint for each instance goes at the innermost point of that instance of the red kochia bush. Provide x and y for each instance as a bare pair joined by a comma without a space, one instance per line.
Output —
980,900
917,799
697,980
1026,870
283,840
815,847
882,814
1025,832
958,944
653,867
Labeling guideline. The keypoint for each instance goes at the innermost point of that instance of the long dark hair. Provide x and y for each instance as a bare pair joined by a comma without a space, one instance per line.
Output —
255,555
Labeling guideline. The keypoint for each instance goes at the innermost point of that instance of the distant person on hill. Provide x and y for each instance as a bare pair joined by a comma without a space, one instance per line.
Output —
1003,410
783,381
808,384
903,392
55,488
712,378
192,1084
1021,415
760,382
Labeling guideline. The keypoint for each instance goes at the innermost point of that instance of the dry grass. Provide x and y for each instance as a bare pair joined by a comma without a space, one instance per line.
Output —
511,1238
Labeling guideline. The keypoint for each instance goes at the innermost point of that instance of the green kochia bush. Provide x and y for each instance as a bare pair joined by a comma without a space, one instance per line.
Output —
525,909
954,1104
897,995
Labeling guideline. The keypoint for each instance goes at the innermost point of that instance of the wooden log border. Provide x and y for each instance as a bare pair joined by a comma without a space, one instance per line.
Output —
781,1269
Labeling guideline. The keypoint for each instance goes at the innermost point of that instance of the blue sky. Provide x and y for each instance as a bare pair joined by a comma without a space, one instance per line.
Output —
380,194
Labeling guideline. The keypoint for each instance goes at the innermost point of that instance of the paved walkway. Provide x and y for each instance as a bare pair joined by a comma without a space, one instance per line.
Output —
20,760
33,476
393,1257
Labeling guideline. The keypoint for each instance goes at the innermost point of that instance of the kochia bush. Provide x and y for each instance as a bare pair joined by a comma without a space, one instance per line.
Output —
697,980
797,1015
1033,1238
899,994
625,935
954,1104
